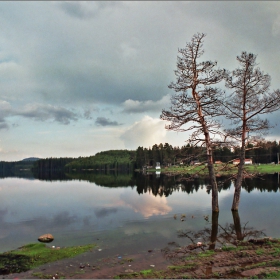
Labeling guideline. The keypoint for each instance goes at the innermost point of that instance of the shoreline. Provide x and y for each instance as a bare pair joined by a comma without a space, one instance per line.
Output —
255,258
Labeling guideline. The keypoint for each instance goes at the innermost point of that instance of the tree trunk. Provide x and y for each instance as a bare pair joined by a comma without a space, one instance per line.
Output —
212,177
237,225
210,164
239,179
215,201
214,231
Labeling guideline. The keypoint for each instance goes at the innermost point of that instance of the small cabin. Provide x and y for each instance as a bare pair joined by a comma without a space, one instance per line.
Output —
157,165
247,161
195,162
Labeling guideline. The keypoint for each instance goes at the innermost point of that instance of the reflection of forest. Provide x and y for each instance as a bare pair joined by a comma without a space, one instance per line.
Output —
16,173
111,179
162,185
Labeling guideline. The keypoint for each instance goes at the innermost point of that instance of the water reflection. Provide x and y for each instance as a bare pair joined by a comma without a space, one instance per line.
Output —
77,207
157,184
221,235
162,185
147,205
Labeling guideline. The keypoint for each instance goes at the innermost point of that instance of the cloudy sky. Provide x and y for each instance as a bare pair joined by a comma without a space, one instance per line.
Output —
77,78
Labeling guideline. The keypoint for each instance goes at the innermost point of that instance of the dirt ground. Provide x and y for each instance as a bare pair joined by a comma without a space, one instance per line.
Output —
253,258
93,265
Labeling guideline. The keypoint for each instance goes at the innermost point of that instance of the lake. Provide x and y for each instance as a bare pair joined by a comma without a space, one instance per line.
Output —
131,211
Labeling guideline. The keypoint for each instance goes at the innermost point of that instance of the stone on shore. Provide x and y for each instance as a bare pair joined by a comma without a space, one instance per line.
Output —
46,238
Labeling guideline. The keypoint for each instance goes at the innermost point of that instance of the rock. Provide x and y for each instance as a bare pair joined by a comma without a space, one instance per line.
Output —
46,238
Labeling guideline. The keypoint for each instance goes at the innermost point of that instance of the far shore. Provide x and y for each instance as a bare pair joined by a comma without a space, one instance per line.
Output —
221,169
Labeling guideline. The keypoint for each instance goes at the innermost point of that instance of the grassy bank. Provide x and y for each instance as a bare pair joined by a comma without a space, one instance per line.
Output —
221,169
33,255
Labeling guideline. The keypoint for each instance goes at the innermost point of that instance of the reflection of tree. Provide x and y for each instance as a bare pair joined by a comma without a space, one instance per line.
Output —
258,183
230,233
166,185
214,230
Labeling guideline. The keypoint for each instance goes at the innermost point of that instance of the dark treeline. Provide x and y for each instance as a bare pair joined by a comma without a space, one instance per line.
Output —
261,152
51,164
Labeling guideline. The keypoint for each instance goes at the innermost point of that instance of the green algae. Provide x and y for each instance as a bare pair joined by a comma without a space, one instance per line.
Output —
36,254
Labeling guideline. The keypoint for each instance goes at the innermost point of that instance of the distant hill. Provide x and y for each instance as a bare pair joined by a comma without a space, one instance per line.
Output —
112,159
30,159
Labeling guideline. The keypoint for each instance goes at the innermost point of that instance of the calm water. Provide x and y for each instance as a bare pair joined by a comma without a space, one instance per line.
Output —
133,210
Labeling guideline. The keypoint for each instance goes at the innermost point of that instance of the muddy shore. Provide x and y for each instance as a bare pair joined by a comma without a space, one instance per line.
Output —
256,258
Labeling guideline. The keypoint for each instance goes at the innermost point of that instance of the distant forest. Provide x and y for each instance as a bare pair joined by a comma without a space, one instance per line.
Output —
165,154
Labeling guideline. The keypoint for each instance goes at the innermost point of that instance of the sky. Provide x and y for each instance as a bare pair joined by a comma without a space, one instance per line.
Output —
77,78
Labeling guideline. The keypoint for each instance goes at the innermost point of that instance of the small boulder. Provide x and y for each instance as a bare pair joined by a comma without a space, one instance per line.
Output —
46,238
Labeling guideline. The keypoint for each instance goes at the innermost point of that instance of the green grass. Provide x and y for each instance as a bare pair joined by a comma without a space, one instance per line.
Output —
276,252
272,275
229,248
189,258
33,255
205,254
201,169
146,272
181,267
260,252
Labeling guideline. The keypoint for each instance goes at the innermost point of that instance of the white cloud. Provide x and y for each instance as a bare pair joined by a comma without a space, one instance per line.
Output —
145,132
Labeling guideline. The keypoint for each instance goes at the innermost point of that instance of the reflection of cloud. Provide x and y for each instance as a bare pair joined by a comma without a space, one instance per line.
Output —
147,205
103,212
3,213
63,219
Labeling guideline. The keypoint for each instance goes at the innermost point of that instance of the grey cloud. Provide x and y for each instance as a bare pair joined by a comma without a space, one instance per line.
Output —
101,121
84,9
42,112
38,112
87,114
136,106
101,61
3,124
82,62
